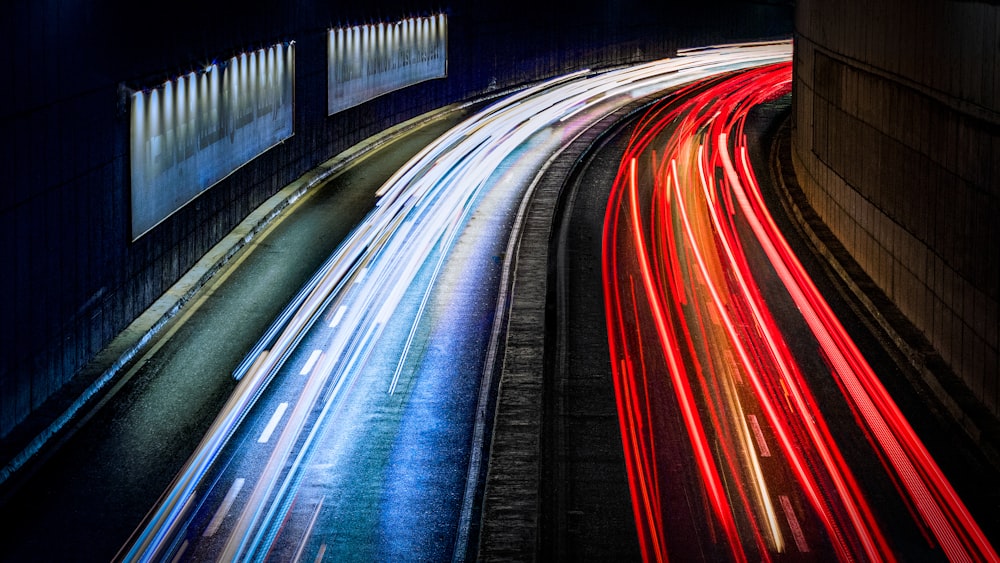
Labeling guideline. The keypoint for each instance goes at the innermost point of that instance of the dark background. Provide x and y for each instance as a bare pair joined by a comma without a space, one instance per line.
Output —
72,278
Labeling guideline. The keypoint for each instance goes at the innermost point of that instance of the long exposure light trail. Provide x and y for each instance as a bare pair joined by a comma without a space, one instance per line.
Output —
371,297
683,218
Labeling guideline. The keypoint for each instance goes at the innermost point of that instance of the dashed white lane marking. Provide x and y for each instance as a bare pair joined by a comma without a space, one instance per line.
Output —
310,362
761,444
338,316
223,510
793,523
272,424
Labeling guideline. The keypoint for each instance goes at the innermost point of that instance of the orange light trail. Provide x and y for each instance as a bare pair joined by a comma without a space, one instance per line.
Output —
672,222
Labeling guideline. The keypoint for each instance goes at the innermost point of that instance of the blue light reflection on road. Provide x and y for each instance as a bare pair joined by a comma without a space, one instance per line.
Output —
352,470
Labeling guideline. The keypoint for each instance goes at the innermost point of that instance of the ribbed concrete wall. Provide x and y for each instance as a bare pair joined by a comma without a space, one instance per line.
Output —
72,278
896,144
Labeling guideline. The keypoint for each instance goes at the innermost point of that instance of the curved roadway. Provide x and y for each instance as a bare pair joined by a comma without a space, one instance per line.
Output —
724,353
360,426
348,434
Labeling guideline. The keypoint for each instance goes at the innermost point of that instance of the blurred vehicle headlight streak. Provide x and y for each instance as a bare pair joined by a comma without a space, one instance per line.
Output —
421,211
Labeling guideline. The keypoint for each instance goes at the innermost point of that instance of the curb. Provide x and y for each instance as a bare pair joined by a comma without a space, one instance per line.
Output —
912,350
511,506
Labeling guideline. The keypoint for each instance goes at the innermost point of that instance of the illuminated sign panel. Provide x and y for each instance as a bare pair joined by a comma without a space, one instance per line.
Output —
193,131
367,61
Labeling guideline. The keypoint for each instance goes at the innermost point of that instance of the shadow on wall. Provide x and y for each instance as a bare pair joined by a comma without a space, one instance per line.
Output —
895,145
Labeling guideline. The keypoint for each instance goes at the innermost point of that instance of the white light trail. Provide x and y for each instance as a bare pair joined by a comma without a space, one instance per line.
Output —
421,211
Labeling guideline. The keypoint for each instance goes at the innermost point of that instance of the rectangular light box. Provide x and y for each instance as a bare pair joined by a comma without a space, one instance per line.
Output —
193,131
366,61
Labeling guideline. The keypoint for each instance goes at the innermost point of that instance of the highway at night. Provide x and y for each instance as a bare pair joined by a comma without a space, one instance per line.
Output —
705,397
348,435
713,385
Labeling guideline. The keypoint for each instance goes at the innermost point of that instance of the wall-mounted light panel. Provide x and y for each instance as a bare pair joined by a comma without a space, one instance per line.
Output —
366,61
191,132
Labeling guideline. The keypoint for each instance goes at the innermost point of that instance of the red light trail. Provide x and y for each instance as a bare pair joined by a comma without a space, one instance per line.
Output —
695,347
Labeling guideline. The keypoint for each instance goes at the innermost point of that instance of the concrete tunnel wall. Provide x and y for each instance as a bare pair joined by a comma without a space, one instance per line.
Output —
73,278
896,145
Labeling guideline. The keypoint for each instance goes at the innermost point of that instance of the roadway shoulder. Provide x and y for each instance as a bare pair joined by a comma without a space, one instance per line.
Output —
53,421
910,345
511,507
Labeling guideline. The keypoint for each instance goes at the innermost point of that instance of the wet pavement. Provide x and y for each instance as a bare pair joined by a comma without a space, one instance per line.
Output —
99,480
